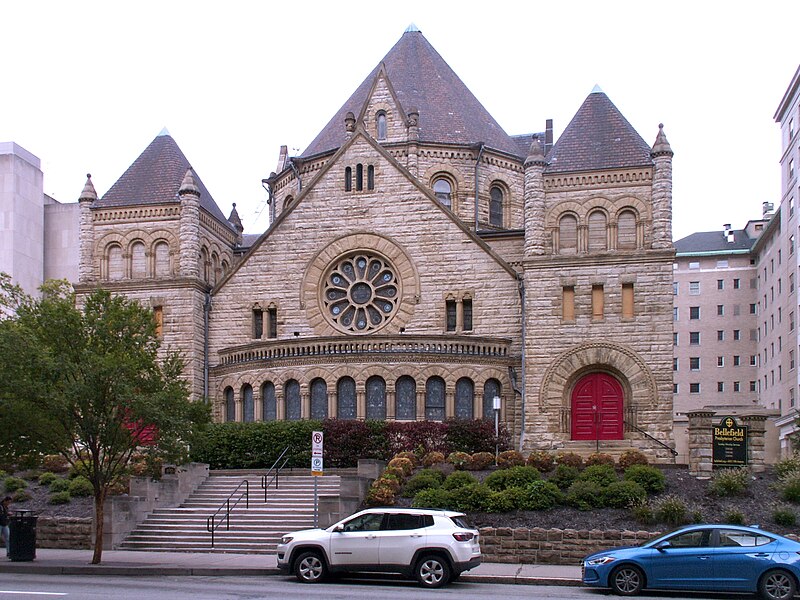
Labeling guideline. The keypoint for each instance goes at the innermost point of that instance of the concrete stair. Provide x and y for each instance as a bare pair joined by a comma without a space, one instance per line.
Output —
253,530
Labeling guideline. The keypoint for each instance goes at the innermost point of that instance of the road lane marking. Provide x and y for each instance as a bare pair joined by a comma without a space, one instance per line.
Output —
33,593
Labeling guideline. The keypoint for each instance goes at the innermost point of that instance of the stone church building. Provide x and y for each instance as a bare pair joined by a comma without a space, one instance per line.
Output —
419,263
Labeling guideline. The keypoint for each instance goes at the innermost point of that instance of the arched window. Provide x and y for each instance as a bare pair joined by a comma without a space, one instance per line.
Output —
443,191
319,399
496,206
490,389
138,261
269,406
230,405
371,177
380,121
348,179
568,234
248,407
359,177
346,398
225,267
214,268
116,269
626,230
376,398
434,399
161,251
291,396
405,403
597,231
465,398
204,264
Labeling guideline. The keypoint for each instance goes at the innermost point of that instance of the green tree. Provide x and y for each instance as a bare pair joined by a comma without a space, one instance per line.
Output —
85,381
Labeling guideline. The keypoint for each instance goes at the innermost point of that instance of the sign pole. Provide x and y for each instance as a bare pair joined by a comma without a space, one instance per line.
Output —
316,468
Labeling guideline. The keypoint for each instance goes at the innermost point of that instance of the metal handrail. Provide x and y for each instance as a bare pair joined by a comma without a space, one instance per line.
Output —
212,525
647,435
265,482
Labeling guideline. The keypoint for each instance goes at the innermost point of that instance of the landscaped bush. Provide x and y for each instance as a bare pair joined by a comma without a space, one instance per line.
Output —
471,498
734,517
60,498
380,495
650,478
47,478
80,486
510,458
422,480
396,472
601,474
790,464
570,459
432,498
458,479
410,456
59,485
784,516
630,458
564,476
541,460
480,461
623,494
404,464
460,460
540,495
671,510
12,484
506,501
389,481
585,495
428,436
21,496
432,458
476,435
599,458
513,477
55,463
643,512
347,440
730,482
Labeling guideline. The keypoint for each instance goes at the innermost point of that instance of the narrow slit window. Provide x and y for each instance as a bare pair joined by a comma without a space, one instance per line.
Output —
450,314
627,300
272,322
568,303
597,302
258,323
158,315
348,179
381,125
359,177
466,316
371,177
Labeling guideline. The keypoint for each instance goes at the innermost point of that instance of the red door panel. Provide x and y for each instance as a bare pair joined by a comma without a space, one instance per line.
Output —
597,408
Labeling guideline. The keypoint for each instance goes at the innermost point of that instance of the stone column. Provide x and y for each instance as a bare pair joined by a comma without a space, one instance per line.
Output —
662,191
86,232
413,142
756,441
189,227
534,198
700,439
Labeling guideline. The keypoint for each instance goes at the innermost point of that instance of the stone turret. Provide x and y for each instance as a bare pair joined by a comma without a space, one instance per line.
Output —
534,200
85,201
234,220
189,226
662,191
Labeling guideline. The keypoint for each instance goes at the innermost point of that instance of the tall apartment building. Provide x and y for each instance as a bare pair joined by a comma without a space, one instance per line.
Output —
715,305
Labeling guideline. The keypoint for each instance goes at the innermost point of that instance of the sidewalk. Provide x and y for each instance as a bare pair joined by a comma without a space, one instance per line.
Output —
124,562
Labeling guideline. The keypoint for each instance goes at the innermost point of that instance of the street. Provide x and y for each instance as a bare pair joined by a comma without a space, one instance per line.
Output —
218,588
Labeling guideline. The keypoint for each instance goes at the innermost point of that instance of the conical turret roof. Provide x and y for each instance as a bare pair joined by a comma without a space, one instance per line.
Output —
155,178
598,137
448,112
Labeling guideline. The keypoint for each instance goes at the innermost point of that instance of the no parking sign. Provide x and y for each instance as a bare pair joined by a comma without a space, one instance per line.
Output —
316,453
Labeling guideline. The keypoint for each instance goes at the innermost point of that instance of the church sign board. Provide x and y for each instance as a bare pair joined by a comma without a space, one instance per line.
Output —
729,441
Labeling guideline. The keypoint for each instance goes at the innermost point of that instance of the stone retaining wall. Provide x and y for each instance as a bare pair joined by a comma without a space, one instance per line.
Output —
553,546
64,532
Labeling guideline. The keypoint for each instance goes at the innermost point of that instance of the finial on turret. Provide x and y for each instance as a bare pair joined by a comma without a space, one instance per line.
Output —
235,220
88,194
350,122
661,147
536,154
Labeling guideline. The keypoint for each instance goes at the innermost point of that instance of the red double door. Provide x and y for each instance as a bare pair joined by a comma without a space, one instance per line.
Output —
597,408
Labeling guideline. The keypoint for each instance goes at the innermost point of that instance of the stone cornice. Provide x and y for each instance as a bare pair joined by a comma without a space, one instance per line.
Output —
600,179
131,286
608,258
136,214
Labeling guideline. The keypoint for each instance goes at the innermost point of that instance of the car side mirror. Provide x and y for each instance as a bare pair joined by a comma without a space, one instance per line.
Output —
663,546
338,529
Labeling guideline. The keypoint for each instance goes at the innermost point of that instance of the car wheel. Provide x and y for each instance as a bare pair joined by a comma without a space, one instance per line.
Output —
432,571
777,585
309,568
626,580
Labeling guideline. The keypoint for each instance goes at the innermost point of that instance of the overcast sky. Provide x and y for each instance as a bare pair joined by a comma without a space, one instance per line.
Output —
88,85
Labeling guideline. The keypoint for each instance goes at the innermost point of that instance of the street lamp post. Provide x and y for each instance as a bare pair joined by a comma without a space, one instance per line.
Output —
496,405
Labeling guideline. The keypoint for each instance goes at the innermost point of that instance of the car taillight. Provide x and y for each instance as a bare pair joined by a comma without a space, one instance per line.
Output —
463,537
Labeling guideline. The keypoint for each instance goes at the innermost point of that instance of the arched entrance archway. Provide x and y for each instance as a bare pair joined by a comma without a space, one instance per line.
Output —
597,408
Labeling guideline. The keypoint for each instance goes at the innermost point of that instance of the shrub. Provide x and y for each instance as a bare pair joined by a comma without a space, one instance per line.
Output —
80,486
630,458
476,435
55,463
506,501
734,517
410,456
541,460
427,478
730,482
480,461
460,460
585,495
59,485
510,458
564,476
380,495
540,495
471,498
671,510
650,478
404,464
643,513
623,494
432,458
785,516
432,498
60,498
599,458
601,474
389,481
395,472
787,465
570,459
513,477
47,478
12,484
790,487
458,479
21,496
428,435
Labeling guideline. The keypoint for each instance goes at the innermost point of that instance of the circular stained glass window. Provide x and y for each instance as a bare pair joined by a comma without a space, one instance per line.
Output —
360,293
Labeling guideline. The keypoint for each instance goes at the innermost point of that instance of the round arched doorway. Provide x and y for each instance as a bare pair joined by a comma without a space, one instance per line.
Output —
597,408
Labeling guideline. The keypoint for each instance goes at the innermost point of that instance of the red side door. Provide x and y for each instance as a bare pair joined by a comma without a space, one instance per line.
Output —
597,408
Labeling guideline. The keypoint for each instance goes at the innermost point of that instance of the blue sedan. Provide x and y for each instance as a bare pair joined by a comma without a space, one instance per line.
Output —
715,558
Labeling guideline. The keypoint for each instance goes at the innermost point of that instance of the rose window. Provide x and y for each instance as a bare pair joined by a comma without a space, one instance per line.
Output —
360,293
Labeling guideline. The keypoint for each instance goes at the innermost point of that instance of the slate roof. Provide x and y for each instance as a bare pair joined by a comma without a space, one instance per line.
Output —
598,137
448,112
714,241
155,178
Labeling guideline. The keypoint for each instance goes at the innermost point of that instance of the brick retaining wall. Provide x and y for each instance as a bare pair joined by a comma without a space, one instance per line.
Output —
64,532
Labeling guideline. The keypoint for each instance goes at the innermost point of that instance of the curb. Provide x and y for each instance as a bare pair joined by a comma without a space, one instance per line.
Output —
518,580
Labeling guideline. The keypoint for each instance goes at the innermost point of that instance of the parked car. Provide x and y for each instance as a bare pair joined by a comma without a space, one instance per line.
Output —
715,558
433,546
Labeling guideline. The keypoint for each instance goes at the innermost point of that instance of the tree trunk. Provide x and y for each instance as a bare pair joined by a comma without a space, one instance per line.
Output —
99,503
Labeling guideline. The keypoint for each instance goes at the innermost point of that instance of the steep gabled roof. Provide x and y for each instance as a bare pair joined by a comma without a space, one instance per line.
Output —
448,112
155,178
598,137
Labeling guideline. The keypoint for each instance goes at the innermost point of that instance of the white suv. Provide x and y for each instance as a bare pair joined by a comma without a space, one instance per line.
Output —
433,546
